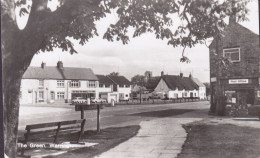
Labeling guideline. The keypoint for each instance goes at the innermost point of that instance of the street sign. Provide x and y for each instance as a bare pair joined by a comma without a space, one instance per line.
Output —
238,81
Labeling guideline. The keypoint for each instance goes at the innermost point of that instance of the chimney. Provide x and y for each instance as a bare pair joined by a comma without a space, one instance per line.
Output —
232,19
60,65
190,76
43,65
162,74
181,74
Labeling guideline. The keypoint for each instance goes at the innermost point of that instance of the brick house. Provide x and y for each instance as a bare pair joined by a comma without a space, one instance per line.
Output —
240,82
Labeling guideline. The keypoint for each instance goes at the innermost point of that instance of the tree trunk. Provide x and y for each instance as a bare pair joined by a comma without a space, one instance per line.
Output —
17,51
13,70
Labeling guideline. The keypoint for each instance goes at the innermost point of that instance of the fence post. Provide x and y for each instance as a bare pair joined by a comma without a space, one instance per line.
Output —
98,118
82,111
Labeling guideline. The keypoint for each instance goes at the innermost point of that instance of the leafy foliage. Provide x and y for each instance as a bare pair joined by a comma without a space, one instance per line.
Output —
139,80
199,20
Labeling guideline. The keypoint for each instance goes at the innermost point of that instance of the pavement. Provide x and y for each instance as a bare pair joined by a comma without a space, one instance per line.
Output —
158,138
164,138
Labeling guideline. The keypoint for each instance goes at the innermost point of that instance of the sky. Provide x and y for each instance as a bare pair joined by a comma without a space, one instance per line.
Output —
145,53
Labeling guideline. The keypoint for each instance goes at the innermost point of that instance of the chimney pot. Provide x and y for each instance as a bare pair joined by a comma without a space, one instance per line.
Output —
43,65
162,73
60,65
190,76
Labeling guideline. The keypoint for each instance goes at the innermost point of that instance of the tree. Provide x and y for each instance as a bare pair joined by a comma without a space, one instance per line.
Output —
139,80
46,29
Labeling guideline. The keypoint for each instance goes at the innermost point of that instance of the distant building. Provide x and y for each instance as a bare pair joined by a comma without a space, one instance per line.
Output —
202,87
241,81
174,87
58,84
113,87
121,87
49,84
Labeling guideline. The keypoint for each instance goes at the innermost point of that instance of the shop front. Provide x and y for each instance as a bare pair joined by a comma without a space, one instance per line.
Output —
240,94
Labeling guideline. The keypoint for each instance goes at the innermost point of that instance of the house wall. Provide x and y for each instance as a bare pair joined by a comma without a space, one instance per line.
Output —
202,92
247,68
124,92
162,87
30,90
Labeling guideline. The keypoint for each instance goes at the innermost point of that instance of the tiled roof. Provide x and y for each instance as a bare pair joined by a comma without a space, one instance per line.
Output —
152,82
181,83
197,81
69,73
104,79
119,80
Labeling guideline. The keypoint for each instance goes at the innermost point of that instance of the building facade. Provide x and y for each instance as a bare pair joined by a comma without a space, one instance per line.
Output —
59,84
240,81
174,87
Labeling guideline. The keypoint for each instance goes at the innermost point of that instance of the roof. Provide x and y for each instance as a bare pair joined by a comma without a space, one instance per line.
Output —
181,83
197,81
66,73
119,80
152,82
236,27
104,79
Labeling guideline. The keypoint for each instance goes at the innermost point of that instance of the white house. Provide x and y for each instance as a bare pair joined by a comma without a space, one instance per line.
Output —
177,87
202,88
121,87
49,84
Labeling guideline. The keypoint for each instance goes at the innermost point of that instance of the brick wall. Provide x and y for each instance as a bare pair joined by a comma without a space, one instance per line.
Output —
236,35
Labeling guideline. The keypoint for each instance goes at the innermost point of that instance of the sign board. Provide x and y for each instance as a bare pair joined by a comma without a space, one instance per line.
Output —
213,79
233,100
238,81
86,107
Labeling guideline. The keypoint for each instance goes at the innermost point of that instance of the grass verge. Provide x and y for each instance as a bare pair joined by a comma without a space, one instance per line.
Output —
106,139
220,141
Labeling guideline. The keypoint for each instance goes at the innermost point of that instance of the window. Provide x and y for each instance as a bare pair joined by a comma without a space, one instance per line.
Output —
126,95
185,94
232,53
127,86
107,85
52,96
121,86
92,84
41,95
101,85
60,83
74,84
41,83
60,95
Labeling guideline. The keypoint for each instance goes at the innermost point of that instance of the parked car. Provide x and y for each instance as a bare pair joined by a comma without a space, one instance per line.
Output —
154,96
79,100
98,100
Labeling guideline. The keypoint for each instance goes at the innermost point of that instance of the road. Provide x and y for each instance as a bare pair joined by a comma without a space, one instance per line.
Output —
109,116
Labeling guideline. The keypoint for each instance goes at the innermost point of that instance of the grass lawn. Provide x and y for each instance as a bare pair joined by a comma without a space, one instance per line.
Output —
107,139
221,141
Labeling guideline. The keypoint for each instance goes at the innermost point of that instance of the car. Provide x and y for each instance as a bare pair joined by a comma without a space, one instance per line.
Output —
79,100
98,100
154,96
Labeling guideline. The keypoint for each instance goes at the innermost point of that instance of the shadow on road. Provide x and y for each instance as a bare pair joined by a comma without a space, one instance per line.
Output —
163,113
